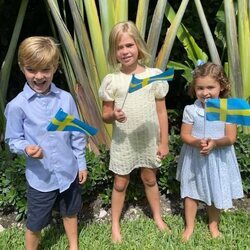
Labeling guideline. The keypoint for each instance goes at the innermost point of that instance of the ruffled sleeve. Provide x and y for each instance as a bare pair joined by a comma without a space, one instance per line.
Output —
106,91
188,114
160,88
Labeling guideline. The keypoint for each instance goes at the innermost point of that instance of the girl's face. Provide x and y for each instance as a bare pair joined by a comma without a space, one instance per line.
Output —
206,87
39,79
127,51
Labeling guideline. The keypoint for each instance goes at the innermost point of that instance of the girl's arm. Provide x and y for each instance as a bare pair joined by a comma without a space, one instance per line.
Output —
186,136
161,109
229,138
111,114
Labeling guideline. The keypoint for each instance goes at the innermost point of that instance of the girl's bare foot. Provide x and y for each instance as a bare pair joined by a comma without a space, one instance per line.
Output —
186,235
163,227
116,236
214,232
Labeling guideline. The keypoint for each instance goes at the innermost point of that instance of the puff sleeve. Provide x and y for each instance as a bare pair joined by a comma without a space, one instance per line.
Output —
160,88
106,91
188,115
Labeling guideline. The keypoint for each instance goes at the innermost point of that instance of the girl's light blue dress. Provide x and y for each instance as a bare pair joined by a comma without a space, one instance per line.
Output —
215,178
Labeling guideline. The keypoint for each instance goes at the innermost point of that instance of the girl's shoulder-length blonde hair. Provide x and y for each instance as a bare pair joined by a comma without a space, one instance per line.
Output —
115,36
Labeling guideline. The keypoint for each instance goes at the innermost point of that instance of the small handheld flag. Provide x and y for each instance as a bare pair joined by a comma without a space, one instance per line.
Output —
136,83
65,122
233,110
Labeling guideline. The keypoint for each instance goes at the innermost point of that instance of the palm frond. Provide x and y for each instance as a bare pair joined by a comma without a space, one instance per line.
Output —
96,37
244,42
208,34
107,15
167,46
155,29
141,16
233,49
7,63
83,91
121,10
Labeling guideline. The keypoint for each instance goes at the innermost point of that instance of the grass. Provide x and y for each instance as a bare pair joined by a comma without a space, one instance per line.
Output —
142,234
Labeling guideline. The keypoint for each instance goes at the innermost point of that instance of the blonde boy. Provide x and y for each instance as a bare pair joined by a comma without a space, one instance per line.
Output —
55,168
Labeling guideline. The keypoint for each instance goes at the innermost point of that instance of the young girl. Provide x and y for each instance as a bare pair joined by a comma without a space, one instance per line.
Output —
207,168
140,122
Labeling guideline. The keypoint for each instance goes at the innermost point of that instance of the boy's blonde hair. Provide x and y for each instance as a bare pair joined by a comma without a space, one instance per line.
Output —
115,36
214,71
38,52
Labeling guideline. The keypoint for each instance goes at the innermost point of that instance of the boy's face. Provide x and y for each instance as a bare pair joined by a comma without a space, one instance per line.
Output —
39,79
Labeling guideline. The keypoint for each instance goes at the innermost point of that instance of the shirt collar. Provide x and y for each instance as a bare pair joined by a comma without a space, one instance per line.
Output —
29,92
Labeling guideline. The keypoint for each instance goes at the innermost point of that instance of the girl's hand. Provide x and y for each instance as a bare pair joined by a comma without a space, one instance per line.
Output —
34,151
207,146
162,151
83,174
119,115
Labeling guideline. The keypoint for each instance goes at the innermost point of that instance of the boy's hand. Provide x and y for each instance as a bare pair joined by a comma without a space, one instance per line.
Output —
34,151
83,176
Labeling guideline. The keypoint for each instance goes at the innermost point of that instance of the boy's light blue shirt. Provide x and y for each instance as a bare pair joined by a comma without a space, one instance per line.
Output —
28,116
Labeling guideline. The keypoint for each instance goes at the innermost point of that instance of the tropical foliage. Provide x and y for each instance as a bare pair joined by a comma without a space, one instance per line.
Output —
83,26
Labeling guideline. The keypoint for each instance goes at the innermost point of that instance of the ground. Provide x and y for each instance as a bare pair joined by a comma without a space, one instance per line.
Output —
96,211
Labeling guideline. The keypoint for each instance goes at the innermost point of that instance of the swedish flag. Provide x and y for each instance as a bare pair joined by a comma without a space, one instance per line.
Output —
232,110
65,122
136,83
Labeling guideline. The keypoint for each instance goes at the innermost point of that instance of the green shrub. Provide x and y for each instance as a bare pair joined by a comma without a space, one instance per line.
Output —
12,184
167,182
100,179
242,149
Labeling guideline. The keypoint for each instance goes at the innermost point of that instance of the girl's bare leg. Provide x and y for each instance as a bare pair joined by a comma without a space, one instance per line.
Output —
214,217
190,210
118,196
148,177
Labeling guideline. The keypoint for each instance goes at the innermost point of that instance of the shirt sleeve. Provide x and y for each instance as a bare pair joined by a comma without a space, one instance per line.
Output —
160,88
14,134
188,115
106,92
78,140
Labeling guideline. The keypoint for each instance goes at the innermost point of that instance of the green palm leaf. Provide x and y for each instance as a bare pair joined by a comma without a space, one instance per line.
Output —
96,37
233,49
167,46
244,43
83,91
7,63
155,30
141,17
208,34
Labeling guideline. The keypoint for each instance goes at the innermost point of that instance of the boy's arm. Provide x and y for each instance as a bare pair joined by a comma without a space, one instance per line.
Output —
14,134
161,109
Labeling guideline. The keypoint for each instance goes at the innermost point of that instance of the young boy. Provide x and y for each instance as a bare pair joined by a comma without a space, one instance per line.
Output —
55,168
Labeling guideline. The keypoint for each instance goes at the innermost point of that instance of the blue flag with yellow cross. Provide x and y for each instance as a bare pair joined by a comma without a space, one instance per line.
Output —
65,122
136,83
232,110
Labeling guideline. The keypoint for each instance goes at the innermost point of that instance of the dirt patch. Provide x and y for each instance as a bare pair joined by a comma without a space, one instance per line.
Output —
97,211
